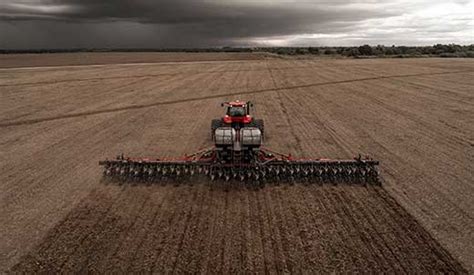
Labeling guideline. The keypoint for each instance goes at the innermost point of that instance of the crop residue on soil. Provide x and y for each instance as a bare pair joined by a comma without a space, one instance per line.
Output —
56,123
203,229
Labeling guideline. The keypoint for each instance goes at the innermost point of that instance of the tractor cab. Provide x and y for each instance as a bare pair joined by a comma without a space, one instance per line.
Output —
237,112
237,116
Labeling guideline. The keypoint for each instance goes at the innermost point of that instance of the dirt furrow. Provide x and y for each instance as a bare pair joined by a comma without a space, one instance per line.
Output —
420,241
373,253
265,235
276,235
126,251
216,239
53,254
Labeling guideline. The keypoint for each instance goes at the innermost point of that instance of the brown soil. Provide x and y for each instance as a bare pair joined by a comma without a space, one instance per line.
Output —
74,59
415,116
205,229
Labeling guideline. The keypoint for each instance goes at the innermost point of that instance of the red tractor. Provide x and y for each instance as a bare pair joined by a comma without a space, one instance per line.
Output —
237,116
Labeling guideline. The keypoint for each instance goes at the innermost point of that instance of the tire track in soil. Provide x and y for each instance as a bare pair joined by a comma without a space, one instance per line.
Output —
373,255
330,229
145,76
121,234
19,193
78,259
110,237
314,221
351,253
265,235
121,260
441,260
57,248
337,246
304,229
207,232
241,228
230,248
279,255
78,167
445,142
215,96
143,258
129,266
374,260
431,127
80,235
164,256
412,247
248,248
37,261
209,228
284,110
319,121
139,261
388,170
408,251
38,104
175,248
384,233
257,247
214,256
245,231
342,143
141,77
289,242
193,242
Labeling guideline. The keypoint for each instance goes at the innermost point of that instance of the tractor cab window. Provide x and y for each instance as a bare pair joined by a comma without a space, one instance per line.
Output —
236,111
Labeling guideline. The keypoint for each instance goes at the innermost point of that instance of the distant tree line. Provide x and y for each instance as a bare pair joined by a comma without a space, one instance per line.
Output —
438,50
364,51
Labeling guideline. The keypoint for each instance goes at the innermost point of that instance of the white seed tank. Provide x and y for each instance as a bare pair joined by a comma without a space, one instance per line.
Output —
244,138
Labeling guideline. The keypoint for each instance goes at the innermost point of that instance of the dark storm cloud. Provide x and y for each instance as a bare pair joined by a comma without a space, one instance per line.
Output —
176,11
219,19
185,23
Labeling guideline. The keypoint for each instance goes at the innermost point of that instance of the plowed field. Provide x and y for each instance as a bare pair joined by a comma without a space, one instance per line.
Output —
416,116
201,229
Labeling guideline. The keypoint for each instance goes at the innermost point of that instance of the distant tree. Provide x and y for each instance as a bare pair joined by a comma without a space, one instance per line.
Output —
366,50
389,51
329,51
394,50
413,51
427,50
379,50
442,50
353,51
313,50
301,51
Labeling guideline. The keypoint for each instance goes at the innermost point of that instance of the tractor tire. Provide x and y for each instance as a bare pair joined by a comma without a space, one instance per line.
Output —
215,123
258,123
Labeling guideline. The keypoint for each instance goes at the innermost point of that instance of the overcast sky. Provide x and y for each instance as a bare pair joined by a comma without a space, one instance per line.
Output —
209,23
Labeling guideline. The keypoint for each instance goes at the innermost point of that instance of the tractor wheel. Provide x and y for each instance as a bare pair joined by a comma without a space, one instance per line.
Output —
215,123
